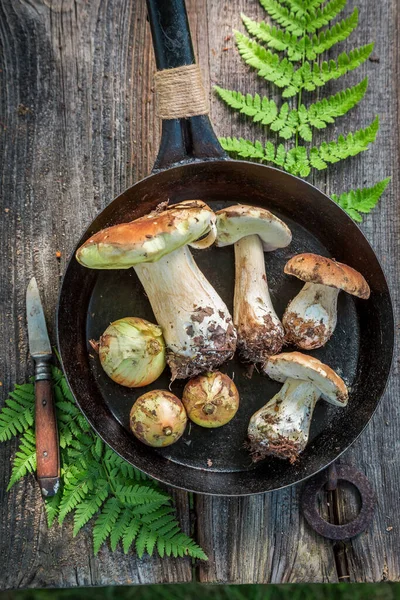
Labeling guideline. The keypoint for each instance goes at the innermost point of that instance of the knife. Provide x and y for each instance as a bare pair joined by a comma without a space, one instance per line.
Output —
47,448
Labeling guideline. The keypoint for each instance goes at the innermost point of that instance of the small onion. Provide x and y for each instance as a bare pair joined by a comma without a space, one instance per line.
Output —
132,351
211,400
158,418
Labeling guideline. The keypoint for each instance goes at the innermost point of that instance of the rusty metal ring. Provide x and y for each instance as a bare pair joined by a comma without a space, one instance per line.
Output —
329,530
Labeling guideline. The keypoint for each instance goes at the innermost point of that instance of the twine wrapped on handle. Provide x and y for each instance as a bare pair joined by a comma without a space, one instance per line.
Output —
180,93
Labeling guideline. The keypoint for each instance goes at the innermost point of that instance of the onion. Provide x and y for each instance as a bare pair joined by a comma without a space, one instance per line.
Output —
158,418
211,400
132,351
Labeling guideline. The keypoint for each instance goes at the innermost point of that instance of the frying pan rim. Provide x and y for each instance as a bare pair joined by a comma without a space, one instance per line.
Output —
215,161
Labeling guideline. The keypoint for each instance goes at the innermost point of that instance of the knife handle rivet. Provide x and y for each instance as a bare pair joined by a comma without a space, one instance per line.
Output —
45,453
44,402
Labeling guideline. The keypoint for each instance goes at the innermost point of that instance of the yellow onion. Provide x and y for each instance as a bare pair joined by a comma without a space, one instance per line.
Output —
158,418
132,351
211,400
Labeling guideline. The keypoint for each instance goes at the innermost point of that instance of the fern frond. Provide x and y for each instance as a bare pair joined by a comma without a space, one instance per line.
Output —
306,46
328,109
309,78
165,529
303,7
86,509
76,488
17,414
105,522
296,160
361,200
25,458
139,494
120,527
130,533
322,16
274,37
52,505
286,18
268,65
352,144
328,38
288,123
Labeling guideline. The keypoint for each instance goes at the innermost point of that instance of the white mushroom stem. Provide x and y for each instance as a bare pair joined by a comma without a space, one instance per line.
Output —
260,332
281,427
196,323
310,318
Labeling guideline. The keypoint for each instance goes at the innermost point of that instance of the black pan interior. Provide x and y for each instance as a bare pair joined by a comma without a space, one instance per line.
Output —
214,461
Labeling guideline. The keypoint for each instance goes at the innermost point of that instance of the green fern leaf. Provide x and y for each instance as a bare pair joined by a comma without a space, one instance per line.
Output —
105,522
17,414
361,200
297,162
322,16
139,494
25,458
120,526
52,505
97,448
325,111
268,64
66,390
309,78
351,145
130,534
86,509
286,18
274,38
76,488
303,7
326,39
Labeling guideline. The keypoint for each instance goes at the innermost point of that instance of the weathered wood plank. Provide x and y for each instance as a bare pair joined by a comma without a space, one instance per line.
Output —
264,539
77,126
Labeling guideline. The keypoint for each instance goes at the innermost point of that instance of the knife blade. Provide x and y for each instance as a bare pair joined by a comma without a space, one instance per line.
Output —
47,447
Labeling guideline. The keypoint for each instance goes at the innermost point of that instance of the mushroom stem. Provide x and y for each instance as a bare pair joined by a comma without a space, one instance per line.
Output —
260,332
196,323
281,427
310,318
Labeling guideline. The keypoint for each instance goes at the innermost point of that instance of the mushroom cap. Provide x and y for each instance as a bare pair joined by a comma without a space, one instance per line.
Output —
236,222
301,366
319,269
148,238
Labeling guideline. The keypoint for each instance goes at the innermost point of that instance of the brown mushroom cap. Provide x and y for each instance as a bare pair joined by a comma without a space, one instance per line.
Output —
148,238
301,366
319,269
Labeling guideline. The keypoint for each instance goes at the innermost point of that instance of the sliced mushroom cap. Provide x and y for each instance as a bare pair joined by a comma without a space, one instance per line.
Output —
319,269
239,221
149,238
296,365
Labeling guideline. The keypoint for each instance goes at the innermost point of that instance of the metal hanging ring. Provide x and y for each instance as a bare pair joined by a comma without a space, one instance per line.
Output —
309,502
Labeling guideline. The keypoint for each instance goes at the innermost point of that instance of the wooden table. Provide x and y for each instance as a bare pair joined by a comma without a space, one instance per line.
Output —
77,126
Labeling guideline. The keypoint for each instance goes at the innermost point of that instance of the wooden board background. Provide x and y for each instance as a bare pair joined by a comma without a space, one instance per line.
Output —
77,126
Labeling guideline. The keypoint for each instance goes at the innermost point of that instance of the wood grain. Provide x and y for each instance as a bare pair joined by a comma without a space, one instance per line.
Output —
77,126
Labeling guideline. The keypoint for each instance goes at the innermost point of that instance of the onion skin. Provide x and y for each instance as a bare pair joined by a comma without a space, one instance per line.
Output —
132,352
158,418
211,400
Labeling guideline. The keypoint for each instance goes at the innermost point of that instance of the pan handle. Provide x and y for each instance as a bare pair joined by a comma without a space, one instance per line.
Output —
186,139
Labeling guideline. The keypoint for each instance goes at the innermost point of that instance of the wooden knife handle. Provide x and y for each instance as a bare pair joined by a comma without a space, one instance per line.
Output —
47,448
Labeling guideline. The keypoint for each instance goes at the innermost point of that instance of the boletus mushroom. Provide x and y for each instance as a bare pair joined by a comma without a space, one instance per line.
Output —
281,427
310,318
196,324
253,231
